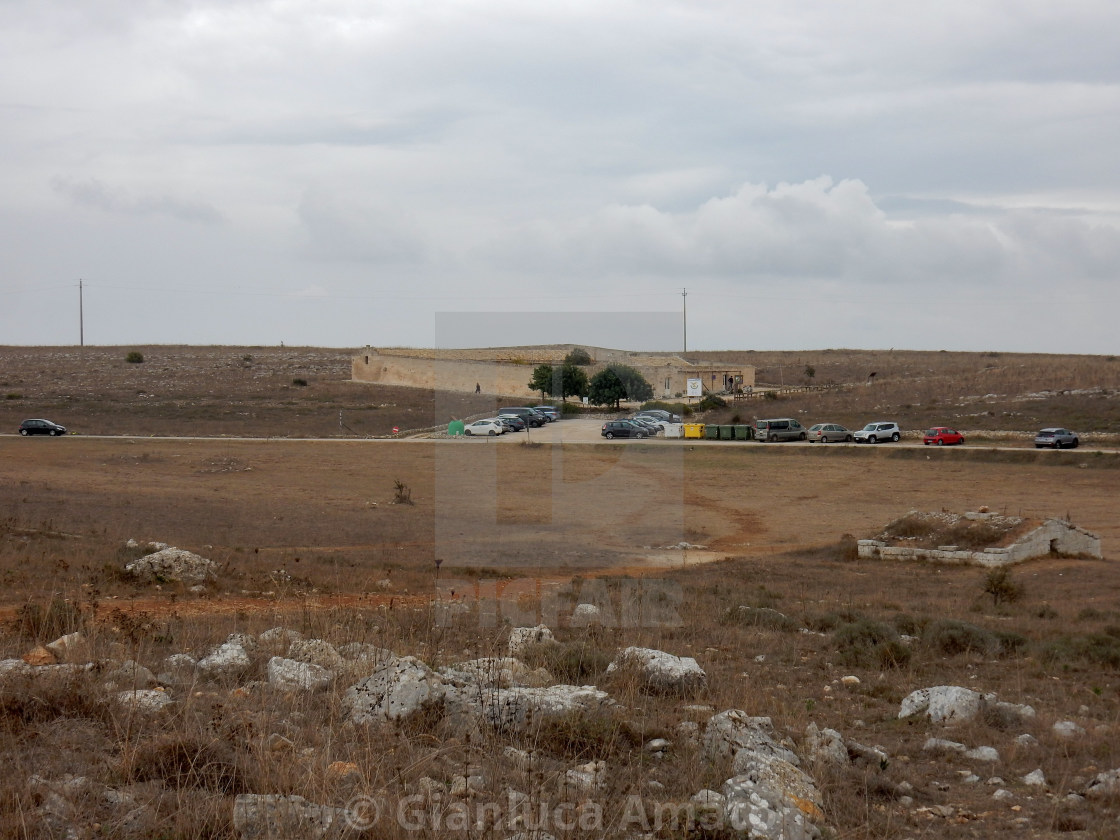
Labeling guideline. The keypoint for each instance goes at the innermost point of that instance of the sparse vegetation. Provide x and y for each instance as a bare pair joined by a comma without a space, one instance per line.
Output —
1002,586
134,357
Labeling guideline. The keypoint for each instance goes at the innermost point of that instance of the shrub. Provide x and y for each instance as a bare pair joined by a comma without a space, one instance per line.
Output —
761,617
47,622
870,644
578,356
402,494
1098,649
134,357
1001,586
952,638
579,736
577,663
299,382
711,402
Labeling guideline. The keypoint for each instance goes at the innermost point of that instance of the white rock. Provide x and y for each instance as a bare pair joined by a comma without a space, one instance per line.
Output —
289,674
228,660
147,700
732,731
129,675
69,648
586,615
316,652
657,745
943,704
1067,729
519,709
1106,784
849,680
983,754
1026,740
1036,778
1002,793
825,746
172,564
661,671
941,745
395,691
523,637
590,776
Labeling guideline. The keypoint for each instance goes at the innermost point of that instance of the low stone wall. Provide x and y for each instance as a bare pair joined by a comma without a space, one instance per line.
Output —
1052,537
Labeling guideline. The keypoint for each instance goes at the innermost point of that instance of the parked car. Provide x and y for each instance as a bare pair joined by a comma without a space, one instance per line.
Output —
489,427
512,422
623,429
549,411
654,426
1056,439
783,429
828,432
660,414
877,433
530,416
943,436
41,427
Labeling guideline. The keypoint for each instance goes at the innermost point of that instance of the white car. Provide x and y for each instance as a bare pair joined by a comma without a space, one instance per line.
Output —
877,433
489,427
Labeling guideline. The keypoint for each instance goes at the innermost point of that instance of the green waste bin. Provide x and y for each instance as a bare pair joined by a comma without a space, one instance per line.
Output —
727,433
742,432
455,427
711,432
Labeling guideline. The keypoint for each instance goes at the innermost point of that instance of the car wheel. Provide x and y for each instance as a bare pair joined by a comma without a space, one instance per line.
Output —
1076,443
1057,444
467,432
639,435
491,433
53,432
848,439
925,443
609,435
895,437
23,432
801,436
872,439
960,442
940,442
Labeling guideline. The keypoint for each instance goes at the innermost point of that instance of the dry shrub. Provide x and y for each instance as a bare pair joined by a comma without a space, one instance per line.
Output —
40,698
581,662
760,617
579,736
950,637
1099,649
870,644
184,760
1002,586
46,622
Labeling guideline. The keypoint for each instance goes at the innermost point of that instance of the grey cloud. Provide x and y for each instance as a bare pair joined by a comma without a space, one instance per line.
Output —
96,194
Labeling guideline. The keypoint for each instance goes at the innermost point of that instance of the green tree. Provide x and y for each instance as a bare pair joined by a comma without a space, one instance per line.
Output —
578,356
573,381
810,372
606,388
636,386
542,380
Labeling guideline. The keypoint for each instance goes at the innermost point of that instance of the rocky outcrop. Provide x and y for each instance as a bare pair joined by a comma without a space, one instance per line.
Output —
396,691
523,637
954,704
289,674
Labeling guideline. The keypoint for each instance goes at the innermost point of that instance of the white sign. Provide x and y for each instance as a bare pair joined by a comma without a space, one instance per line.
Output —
695,388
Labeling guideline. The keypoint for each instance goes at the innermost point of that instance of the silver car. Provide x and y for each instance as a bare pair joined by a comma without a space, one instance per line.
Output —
828,432
1056,439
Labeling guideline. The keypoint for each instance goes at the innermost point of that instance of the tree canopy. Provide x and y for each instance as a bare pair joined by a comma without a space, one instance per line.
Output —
563,382
578,356
606,388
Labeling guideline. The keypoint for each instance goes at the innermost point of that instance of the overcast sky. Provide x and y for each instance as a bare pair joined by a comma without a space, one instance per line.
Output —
817,174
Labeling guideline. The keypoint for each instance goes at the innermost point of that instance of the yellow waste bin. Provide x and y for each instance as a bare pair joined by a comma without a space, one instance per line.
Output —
694,430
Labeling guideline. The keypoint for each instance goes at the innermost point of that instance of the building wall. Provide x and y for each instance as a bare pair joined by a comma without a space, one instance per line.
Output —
512,379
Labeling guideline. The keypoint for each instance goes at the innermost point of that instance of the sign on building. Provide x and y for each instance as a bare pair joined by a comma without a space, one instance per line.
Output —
695,388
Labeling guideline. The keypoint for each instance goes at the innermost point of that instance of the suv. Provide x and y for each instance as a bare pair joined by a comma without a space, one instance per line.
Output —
783,429
1056,439
530,416
623,428
549,411
876,432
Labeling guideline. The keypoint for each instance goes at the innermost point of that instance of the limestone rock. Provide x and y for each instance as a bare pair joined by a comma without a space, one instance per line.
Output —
1104,785
288,674
660,671
1067,729
523,637
172,564
147,700
396,691
72,647
760,813
943,704
729,732
228,660
270,816
316,652
129,675
518,709
825,746
586,615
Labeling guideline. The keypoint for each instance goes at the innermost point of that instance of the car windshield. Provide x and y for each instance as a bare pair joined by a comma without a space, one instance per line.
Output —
1046,433
933,432
870,427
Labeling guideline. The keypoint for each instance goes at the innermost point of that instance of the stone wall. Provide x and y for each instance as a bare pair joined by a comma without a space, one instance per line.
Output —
512,368
1052,537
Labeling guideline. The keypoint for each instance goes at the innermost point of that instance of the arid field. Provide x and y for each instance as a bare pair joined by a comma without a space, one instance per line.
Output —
740,557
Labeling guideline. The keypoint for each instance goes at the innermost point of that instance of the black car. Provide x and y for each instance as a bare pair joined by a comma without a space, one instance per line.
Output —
623,429
531,416
40,427
512,422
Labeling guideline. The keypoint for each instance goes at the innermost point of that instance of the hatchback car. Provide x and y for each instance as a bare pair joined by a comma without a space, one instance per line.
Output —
1056,439
512,422
783,429
877,433
531,416
660,414
549,411
41,427
942,436
491,427
623,429
828,432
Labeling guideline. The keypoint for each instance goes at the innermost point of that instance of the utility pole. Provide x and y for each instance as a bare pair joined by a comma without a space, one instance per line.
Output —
684,314
81,317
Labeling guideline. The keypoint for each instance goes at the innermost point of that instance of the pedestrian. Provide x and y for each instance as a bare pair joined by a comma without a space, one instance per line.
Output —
477,388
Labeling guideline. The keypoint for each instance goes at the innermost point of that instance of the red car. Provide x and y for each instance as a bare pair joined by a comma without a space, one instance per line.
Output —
943,436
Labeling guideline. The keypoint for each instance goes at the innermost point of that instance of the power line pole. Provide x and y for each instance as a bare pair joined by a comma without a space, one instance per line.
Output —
81,317
684,314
